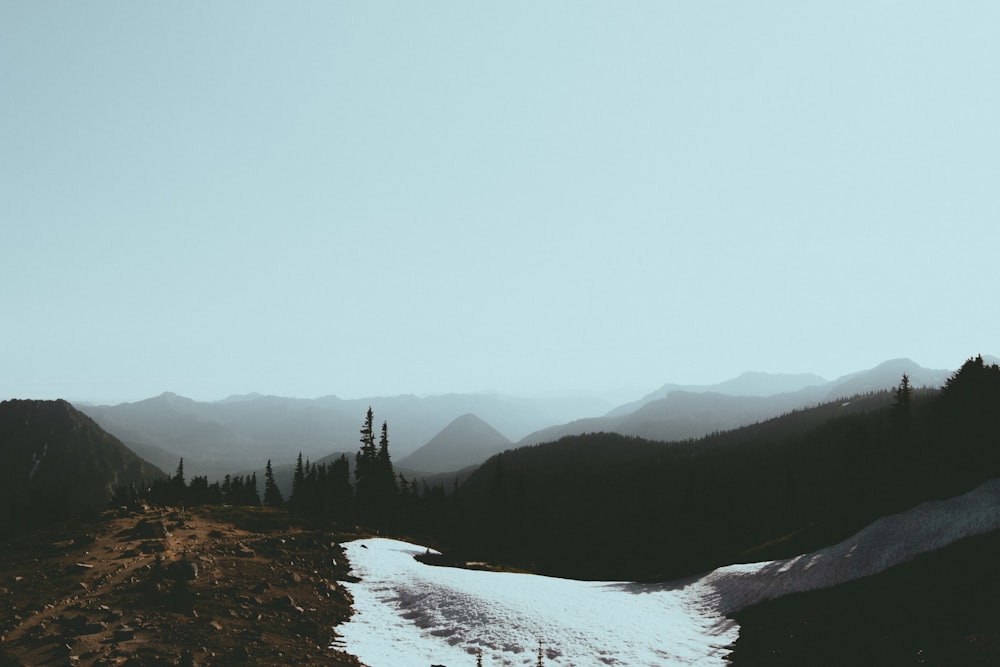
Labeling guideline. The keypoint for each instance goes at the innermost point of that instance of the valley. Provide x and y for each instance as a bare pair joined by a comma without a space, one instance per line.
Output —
711,532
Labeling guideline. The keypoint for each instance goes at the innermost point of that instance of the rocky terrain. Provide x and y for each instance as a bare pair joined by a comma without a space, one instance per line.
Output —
146,586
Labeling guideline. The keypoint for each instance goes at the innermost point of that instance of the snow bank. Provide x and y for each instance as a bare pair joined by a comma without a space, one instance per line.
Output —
889,541
408,613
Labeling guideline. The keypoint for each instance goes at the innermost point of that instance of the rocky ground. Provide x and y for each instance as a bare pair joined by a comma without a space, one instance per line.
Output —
139,587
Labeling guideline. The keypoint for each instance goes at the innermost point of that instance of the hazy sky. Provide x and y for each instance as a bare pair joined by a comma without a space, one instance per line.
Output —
419,197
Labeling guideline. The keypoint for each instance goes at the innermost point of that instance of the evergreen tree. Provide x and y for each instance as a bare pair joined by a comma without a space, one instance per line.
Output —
295,501
272,495
376,483
387,480
341,493
367,456
903,396
197,491
365,474
253,496
227,490
177,485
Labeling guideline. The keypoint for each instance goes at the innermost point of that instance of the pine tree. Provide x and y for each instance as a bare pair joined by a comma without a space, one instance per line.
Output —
272,495
386,477
253,496
341,493
367,455
383,445
365,470
295,504
376,483
903,395
177,485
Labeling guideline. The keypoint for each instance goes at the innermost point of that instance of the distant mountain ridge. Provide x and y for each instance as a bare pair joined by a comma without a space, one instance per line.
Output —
749,383
243,432
673,413
466,441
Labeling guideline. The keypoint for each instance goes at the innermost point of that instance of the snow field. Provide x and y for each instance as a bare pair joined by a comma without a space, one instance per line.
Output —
408,613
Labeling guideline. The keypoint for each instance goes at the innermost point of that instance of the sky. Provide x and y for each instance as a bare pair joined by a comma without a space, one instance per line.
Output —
367,199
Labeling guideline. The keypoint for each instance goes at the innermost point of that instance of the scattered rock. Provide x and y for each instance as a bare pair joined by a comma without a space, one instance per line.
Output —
84,540
287,603
79,625
153,547
182,569
245,614
149,529
243,551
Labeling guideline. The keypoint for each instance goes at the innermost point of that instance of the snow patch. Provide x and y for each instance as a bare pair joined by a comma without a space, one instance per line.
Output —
887,542
36,460
409,613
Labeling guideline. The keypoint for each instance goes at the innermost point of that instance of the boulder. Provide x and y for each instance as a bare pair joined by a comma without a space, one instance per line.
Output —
149,530
182,569
243,551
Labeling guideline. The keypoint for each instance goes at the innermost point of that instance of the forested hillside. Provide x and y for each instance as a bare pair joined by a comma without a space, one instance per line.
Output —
55,462
608,506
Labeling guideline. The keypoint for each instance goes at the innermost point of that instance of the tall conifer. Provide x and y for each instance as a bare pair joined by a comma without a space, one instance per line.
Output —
272,495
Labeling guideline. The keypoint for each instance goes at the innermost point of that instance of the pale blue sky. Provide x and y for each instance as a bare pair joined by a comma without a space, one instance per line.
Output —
377,198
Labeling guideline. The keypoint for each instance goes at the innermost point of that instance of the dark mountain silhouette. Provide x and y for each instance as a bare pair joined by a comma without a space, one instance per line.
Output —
466,441
675,413
56,461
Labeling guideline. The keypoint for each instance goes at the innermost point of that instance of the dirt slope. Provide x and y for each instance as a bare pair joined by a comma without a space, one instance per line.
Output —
158,587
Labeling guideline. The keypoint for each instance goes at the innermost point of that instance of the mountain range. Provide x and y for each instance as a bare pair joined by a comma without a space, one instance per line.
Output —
676,412
243,432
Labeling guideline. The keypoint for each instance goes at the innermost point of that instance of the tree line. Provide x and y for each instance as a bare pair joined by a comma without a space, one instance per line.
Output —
606,506
378,499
